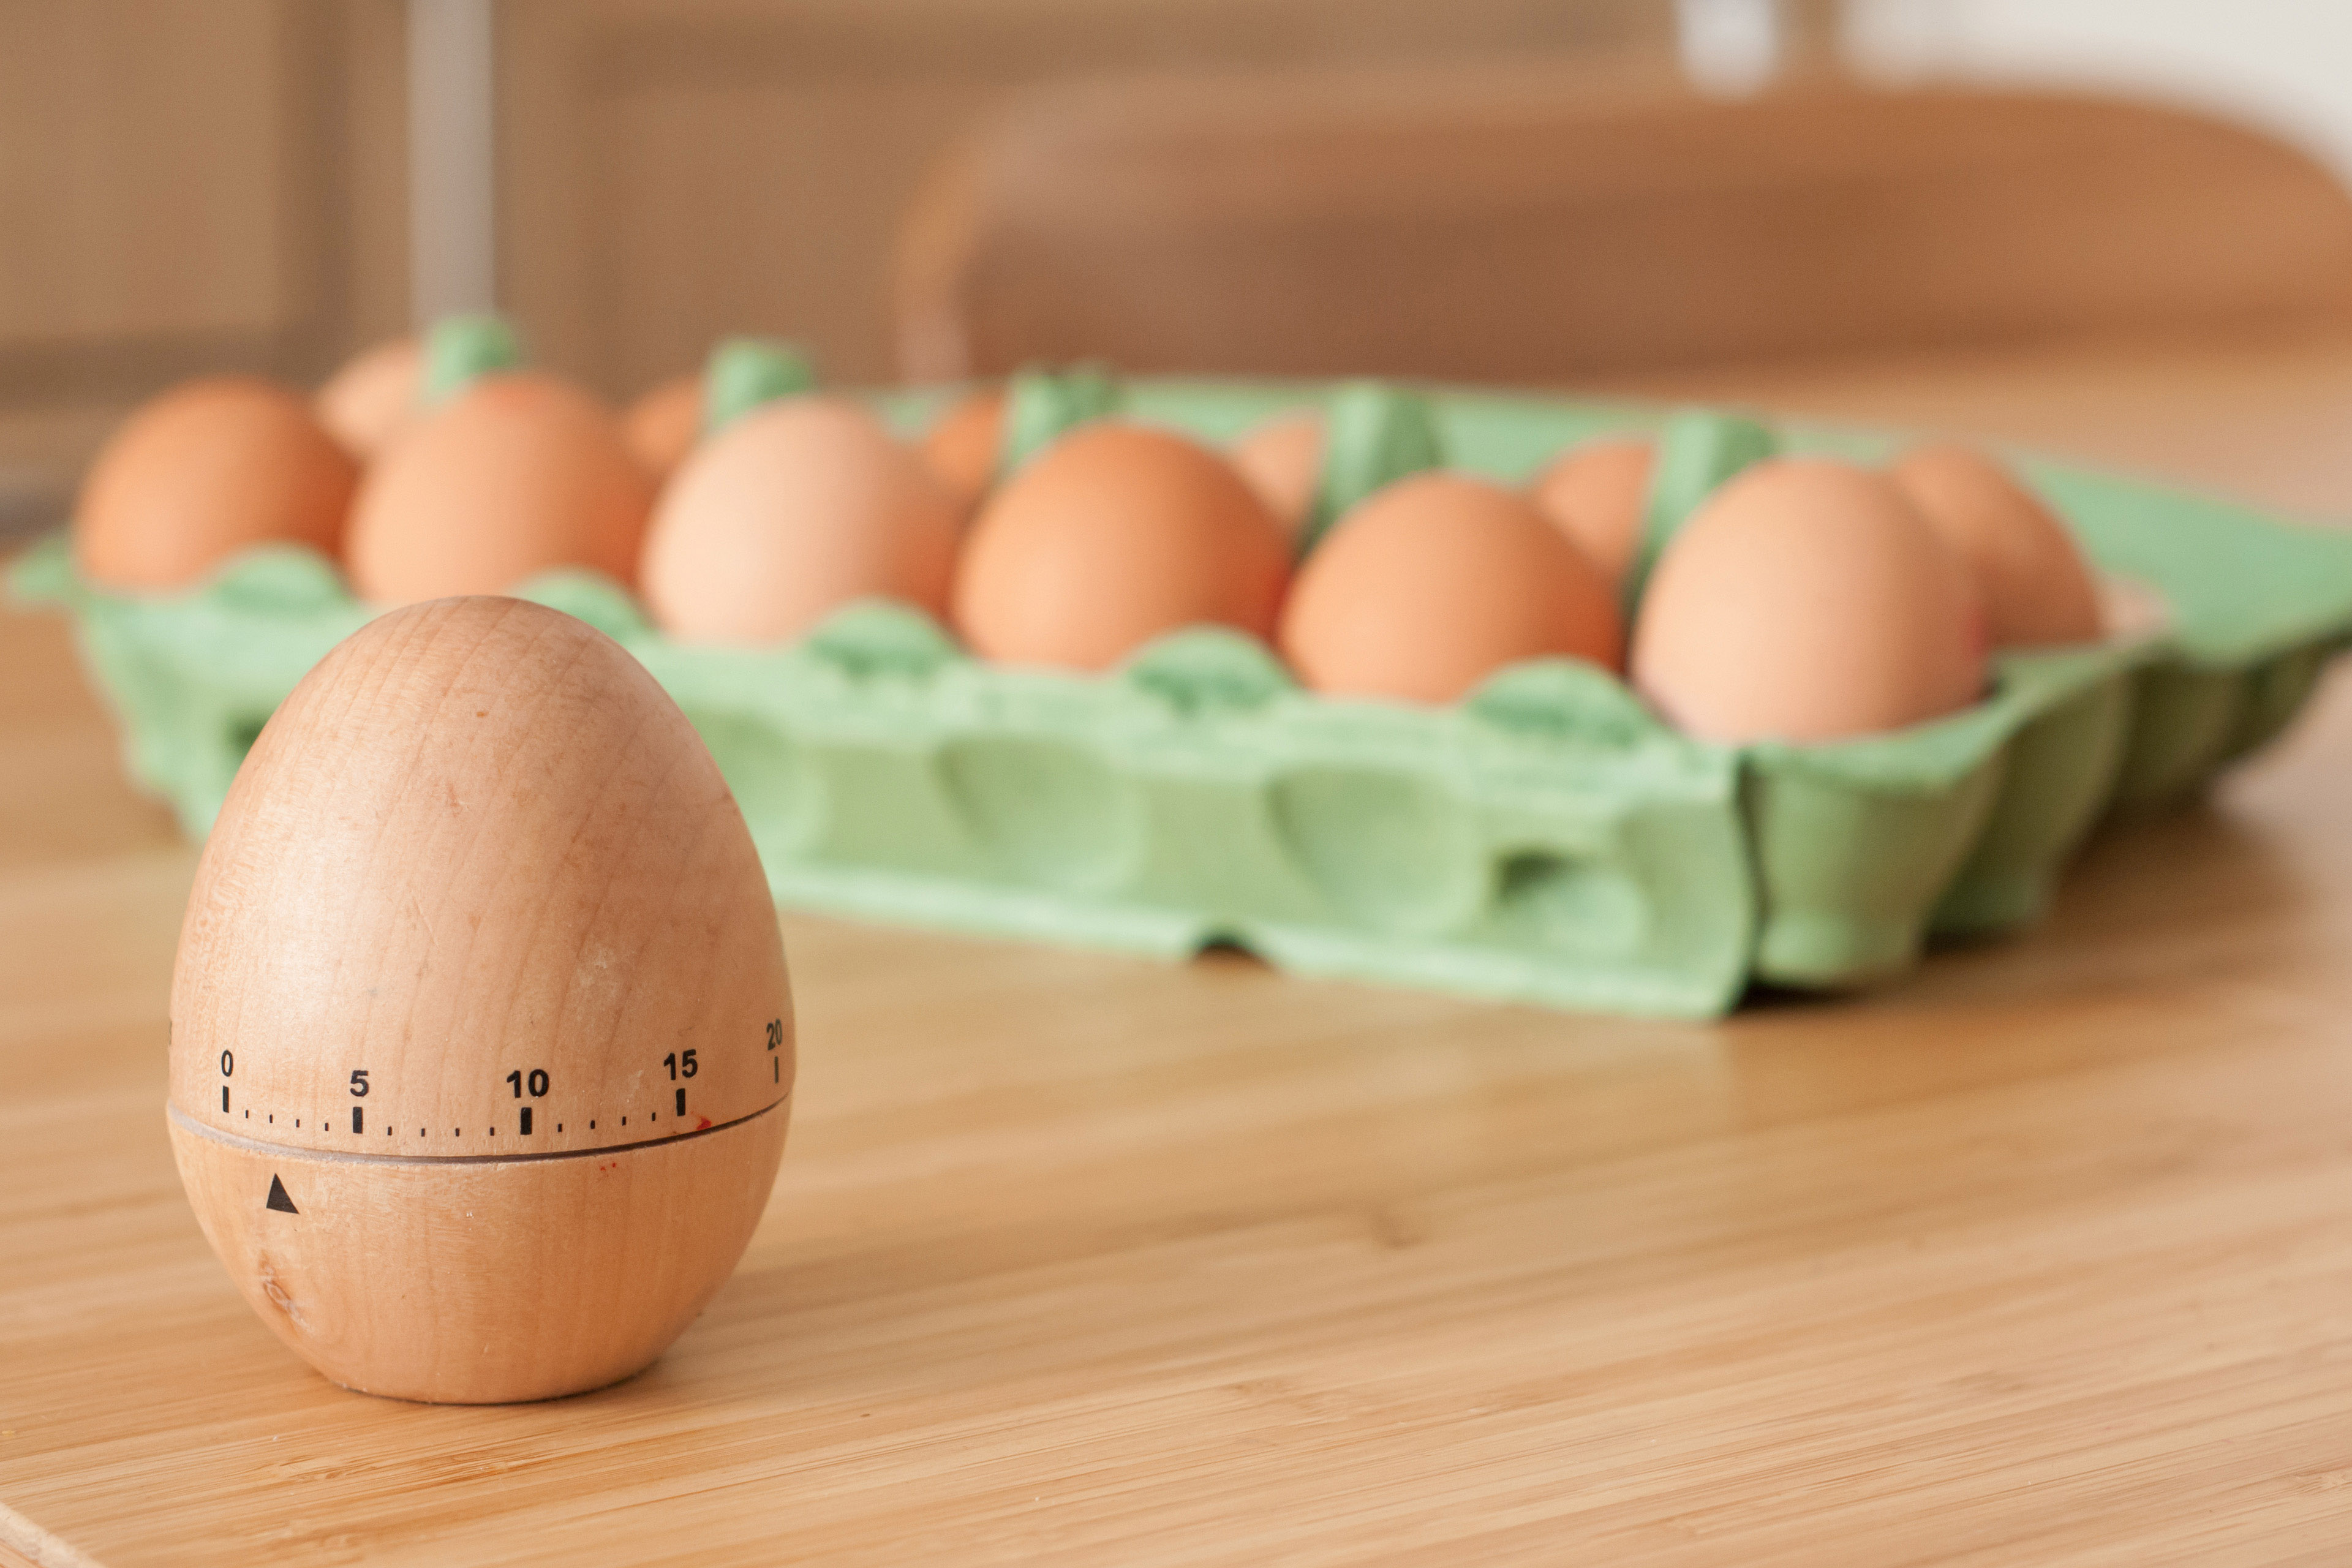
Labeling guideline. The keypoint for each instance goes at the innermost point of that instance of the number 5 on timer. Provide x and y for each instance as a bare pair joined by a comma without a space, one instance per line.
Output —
481,1045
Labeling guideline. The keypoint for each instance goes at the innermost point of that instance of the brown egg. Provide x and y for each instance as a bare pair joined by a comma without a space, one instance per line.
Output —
1436,582
1111,536
1808,600
663,425
1599,492
209,469
963,448
369,403
1282,459
790,512
481,1044
2032,581
516,474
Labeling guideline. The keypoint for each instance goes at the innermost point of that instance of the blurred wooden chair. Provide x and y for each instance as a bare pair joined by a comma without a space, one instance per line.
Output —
1532,227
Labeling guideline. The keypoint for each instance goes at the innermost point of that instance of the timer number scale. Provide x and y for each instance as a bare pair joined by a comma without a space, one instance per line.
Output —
529,1089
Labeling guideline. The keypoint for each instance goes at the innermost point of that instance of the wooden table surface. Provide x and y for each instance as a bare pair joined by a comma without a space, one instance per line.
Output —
2042,1256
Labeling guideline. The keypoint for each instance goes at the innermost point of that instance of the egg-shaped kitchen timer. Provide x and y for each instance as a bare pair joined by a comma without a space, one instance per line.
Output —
482,1038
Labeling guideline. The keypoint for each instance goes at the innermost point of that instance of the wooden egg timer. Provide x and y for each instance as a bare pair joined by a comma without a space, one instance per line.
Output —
481,1035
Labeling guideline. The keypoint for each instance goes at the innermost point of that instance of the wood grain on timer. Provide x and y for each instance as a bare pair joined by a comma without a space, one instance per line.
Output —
482,1040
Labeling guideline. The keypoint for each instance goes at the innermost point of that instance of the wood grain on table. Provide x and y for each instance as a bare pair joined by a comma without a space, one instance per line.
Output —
2044,1255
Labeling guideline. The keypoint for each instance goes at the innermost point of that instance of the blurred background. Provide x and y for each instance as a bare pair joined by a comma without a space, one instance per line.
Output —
1590,193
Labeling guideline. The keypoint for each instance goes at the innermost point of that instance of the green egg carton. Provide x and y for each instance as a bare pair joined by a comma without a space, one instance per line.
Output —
1545,840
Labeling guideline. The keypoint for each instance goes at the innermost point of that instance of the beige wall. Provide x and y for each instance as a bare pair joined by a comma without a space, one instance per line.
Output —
185,187
671,170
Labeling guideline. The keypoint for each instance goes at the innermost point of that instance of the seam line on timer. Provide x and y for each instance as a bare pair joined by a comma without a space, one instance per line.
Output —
299,1152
